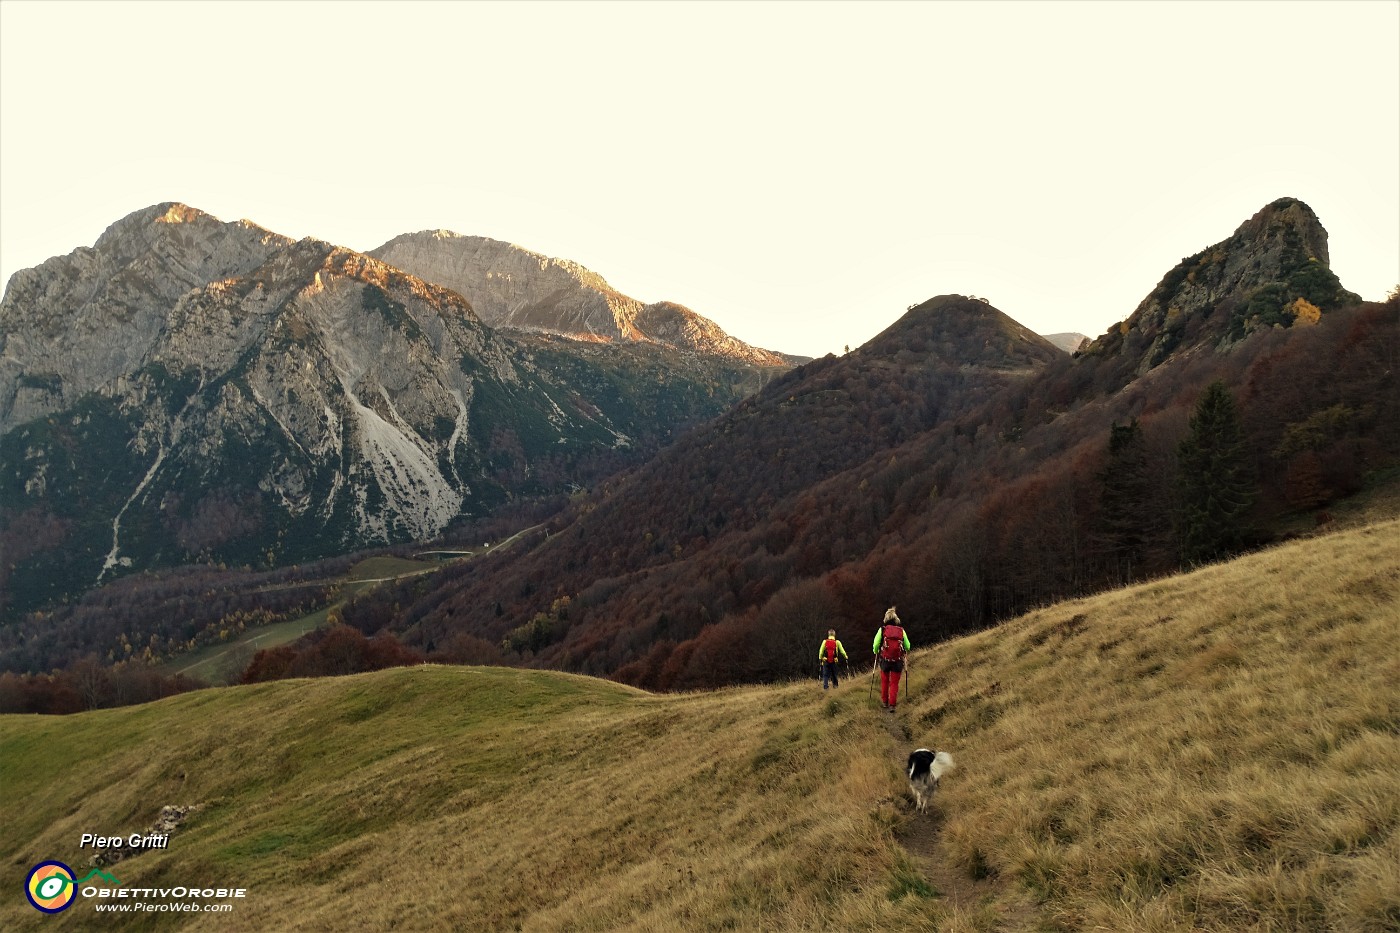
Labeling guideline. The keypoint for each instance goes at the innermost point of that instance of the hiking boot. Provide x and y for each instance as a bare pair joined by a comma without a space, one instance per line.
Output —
890,708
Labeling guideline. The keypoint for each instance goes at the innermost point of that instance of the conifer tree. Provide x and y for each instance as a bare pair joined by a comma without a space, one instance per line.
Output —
1126,517
1216,478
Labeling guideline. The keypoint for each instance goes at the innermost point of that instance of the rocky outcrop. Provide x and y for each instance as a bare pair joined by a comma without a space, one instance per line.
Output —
156,837
1273,272
78,322
514,288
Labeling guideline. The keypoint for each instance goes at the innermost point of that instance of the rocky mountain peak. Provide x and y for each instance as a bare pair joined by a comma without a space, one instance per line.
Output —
1272,272
1284,225
177,213
514,288
172,223
77,322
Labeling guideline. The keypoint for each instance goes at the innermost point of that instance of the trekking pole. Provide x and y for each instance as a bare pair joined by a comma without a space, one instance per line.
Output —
872,682
907,674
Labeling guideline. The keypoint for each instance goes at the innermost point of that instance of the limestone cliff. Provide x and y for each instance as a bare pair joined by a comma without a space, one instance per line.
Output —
514,288
80,321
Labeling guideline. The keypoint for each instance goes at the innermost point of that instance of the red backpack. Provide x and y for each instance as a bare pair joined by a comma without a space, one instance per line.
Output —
830,647
893,648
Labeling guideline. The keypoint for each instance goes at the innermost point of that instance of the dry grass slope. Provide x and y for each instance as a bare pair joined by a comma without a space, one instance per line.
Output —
1216,751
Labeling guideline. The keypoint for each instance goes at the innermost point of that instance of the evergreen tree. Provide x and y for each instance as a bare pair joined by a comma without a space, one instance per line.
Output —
1216,478
1127,518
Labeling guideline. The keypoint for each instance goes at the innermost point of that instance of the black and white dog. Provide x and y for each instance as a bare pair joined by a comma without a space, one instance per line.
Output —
925,768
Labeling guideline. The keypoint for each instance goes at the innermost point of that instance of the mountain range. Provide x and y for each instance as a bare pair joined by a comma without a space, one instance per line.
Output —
193,389
265,401
956,465
1262,689
189,387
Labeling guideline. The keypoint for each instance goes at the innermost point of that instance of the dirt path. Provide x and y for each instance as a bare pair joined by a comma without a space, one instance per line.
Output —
921,837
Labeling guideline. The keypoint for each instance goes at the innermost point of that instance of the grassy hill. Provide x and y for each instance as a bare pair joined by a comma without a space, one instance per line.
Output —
1214,751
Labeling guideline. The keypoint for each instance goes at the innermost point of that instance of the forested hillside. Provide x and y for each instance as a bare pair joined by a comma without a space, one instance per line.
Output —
952,468
957,466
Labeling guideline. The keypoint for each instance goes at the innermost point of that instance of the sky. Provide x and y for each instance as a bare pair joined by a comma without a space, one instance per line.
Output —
799,172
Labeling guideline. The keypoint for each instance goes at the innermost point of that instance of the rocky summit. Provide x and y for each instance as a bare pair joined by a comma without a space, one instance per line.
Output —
514,288
189,388
1272,272
82,321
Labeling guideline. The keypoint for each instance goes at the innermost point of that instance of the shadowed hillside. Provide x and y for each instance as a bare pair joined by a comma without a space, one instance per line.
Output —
712,526
1214,751
963,493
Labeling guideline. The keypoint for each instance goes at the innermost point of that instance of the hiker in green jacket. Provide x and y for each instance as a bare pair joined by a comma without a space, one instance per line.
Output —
890,646
829,651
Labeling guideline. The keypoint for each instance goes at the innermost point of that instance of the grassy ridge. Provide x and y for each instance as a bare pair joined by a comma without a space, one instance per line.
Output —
1219,750
456,796
1214,751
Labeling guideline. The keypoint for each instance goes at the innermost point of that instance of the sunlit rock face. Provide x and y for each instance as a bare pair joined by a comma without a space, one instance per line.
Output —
80,321
1272,272
1069,342
515,288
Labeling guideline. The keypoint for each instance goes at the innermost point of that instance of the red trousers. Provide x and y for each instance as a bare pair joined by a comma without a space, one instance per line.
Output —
889,687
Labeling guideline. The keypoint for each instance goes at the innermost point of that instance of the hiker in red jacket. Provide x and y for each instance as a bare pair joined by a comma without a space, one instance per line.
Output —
827,654
891,644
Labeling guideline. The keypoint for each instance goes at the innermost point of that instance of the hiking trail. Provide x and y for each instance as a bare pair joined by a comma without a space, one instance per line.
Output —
921,837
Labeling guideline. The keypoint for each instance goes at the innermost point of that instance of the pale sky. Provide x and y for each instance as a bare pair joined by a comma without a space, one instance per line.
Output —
800,172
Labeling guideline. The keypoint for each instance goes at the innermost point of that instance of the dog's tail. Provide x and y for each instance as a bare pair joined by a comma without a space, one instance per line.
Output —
942,764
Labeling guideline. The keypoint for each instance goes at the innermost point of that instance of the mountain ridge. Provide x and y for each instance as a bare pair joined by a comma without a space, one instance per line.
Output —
1070,342
915,471
135,270
516,288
